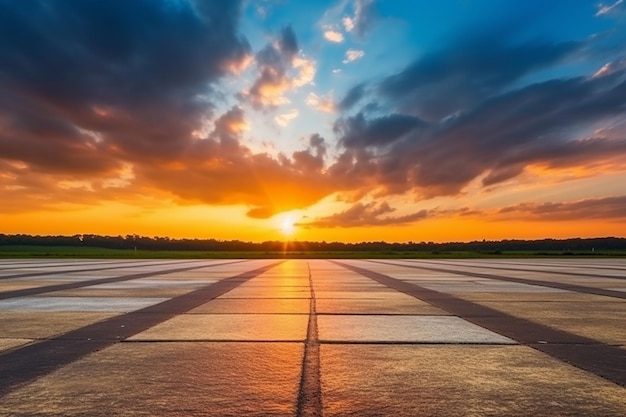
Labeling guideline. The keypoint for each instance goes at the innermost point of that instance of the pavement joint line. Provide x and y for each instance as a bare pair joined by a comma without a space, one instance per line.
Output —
574,274
70,271
89,283
310,392
540,283
601,359
27,363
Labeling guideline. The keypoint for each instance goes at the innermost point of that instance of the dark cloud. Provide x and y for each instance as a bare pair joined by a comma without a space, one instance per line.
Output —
318,144
352,97
128,79
358,132
497,128
468,71
605,208
99,99
287,42
366,214
372,214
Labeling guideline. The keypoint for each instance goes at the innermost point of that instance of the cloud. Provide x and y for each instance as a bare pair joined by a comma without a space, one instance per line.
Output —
357,132
284,118
66,74
364,18
354,17
352,55
611,67
469,70
605,208
353,96
281,68
460,114
312,159
366,214
307,69
611,208
324,104
273,62
605,9
348,23
333,36
218,169
88,114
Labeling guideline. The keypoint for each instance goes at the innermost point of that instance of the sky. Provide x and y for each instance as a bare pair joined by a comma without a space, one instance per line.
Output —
342,120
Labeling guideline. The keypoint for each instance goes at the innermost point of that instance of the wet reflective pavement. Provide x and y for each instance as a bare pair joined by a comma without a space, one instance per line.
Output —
313,337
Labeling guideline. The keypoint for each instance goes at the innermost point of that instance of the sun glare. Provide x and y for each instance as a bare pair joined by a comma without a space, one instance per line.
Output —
287,226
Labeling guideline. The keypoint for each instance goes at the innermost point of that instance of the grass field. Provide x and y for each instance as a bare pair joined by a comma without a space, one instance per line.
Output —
89,252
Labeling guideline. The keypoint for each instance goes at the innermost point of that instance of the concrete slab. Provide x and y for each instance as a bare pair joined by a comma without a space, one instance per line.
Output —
254,306
407,329
168,379
163,293
568,296
266,293
229,327
155,283
362,380
77,304
391,296
376,306
602,321
38,325
497,287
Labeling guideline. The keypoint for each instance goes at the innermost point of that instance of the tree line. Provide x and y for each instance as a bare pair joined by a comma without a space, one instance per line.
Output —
166,243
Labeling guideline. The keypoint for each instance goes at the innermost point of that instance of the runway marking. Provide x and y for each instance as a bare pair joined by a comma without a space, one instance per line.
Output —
69,271
30,265
563,264
23,365
606,361
80,284
546,271
549,284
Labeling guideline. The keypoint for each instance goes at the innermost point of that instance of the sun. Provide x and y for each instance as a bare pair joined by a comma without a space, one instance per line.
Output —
287,226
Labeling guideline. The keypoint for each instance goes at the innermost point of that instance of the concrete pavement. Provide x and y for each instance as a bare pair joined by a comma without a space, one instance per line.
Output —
313,337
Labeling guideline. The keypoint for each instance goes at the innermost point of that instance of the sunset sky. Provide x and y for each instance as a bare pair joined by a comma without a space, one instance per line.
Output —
349,120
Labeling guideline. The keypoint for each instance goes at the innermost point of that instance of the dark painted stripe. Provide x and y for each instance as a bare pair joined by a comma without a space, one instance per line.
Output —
545,271
599,358
563,265
4,267
23,365
80,284
540,283
70,271
310,392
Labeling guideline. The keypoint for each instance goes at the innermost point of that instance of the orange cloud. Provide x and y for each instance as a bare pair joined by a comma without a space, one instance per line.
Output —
333,36
282,68
324,104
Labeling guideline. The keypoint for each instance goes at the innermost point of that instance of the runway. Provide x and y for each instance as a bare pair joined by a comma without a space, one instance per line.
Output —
501,337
